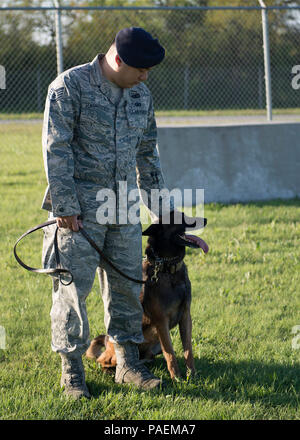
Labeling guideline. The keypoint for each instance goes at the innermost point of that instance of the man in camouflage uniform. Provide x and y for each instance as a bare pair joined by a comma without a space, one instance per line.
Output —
99,130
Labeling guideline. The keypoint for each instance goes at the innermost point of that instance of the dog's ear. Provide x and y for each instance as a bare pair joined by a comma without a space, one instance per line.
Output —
192,222
153,229
178,217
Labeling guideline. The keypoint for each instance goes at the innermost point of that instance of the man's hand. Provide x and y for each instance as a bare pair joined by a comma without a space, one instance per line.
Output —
72,222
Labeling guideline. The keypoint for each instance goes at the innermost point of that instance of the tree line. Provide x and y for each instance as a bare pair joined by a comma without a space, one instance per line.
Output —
214,58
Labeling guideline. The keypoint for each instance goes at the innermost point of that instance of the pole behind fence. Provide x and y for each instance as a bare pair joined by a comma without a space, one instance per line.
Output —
59,48
265,26
186,88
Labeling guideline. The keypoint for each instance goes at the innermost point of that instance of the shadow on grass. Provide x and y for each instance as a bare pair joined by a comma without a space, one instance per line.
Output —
227,381
254,381
18,182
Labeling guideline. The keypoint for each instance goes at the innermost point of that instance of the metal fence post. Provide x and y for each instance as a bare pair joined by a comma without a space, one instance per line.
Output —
186,88
264,14
38,86
260,87
59,48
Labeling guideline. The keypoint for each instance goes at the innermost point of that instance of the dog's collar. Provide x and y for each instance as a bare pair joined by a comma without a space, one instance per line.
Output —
163,264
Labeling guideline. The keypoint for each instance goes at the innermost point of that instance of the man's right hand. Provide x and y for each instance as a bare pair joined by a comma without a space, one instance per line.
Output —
72,222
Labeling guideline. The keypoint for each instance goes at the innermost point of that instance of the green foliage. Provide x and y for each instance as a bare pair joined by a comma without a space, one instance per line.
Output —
245,304
215,57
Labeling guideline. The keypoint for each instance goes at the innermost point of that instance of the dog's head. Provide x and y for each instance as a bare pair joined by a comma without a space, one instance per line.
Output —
170,239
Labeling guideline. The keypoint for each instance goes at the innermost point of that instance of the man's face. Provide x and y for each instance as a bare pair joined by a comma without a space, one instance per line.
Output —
128,76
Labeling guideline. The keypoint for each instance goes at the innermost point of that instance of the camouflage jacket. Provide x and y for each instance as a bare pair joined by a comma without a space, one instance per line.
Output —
90,143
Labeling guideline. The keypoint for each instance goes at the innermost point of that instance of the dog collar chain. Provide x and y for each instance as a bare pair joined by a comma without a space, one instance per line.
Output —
163,260
172,264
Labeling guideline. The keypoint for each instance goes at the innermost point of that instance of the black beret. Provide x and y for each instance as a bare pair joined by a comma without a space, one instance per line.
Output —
137,48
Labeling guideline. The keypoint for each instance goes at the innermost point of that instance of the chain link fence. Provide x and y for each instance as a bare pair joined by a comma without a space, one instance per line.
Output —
214,56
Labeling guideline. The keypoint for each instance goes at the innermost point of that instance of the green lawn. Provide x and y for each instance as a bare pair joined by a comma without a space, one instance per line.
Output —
245,304
177,113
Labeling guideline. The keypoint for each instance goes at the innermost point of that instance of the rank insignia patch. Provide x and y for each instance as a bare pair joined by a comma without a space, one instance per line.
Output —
55,95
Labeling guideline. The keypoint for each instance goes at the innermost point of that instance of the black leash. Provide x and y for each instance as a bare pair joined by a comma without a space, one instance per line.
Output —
59,270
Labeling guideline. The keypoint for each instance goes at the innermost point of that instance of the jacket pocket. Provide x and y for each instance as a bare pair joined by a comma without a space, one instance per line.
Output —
137,116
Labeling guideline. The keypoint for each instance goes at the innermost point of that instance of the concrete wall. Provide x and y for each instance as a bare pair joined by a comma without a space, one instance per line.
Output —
233,163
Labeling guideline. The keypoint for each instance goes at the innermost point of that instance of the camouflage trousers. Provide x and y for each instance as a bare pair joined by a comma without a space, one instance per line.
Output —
122,244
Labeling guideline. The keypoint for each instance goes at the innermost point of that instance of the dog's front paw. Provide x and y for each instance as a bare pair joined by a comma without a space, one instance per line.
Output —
176,376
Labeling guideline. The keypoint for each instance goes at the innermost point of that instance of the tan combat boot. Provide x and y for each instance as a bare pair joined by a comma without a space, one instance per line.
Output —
73,377
130,370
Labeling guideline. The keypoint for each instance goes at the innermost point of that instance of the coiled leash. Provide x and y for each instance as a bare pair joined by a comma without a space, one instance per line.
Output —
59,270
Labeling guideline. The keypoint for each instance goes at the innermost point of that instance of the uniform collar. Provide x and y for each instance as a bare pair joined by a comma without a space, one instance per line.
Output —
99,80
95,73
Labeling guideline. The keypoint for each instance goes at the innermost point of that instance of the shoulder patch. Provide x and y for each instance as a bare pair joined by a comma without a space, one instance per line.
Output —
56,94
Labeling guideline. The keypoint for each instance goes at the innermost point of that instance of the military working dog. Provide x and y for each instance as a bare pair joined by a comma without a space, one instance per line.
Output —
165,297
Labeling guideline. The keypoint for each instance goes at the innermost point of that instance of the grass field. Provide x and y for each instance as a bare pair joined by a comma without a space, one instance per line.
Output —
245,304
176,113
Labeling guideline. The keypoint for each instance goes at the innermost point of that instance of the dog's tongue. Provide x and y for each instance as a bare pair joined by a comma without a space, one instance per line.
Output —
198,241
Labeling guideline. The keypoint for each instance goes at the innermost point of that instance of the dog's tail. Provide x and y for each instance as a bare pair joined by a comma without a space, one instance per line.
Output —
95,348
